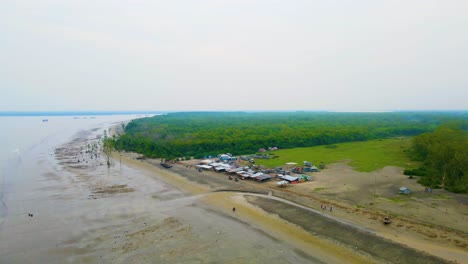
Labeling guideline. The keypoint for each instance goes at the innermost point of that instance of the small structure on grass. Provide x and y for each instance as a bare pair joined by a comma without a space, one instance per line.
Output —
314,169
404,190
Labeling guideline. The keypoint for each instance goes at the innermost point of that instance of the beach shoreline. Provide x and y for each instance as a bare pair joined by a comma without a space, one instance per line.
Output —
136,210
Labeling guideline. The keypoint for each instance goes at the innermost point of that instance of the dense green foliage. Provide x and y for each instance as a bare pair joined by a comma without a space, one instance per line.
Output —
421,171
444,154
208,133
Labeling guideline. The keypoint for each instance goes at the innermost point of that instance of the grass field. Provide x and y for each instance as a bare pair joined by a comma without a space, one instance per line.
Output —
364,156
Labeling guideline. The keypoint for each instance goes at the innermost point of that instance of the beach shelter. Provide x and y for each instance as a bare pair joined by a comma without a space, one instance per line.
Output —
404,190
290,164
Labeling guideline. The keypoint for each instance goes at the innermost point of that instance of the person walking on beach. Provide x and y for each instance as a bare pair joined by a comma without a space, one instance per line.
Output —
233,209
331,208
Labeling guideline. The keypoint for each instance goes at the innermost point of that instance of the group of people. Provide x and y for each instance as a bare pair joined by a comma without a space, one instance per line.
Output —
324,207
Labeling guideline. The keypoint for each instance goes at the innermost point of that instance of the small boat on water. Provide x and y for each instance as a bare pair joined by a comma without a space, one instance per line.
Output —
165,165
45,120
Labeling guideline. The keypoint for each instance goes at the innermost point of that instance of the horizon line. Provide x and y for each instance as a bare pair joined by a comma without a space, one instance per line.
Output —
126,112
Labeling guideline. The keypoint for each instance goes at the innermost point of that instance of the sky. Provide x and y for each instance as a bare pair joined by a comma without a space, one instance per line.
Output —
347,55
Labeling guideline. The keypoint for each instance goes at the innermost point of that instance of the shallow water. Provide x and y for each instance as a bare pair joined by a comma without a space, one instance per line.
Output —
27,142
30,179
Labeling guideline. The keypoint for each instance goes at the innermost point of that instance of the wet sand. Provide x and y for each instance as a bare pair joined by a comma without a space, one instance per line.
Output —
85,212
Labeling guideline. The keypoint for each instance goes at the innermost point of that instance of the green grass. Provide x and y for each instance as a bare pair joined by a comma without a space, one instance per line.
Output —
364,156
443,197
398,199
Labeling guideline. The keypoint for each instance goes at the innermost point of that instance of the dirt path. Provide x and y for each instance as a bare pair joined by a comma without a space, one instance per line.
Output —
356,238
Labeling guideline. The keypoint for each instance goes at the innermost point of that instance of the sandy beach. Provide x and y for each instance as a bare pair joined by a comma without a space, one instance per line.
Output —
138,212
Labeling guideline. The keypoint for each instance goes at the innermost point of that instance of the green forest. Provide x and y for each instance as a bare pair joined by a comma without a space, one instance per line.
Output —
201,134
444,154
440,139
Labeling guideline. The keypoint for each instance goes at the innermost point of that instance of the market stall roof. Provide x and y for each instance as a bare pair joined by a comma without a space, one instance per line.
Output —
263,177
204,167
288,178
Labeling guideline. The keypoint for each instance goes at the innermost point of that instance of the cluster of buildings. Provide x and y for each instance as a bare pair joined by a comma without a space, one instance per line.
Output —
228,164
232,168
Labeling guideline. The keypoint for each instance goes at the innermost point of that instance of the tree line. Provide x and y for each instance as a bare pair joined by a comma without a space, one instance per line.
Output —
444,154
199,134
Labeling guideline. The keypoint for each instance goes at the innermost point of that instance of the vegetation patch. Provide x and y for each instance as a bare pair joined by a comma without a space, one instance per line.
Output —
398,199
202,134
444,154
364,156
442,197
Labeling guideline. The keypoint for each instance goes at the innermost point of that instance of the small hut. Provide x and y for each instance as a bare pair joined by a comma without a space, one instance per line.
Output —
404,190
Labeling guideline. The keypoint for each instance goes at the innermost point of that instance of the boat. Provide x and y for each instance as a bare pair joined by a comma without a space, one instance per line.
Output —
45,120
165,165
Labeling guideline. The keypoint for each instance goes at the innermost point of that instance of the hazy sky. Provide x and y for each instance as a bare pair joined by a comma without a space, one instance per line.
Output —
233,55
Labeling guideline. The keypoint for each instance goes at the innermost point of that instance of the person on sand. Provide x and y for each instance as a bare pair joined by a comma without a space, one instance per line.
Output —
233,209
331,208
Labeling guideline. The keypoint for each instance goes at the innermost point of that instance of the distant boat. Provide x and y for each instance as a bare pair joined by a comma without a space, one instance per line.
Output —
76,117
45,120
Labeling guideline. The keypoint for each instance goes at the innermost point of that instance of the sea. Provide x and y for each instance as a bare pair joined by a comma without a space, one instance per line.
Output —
26,139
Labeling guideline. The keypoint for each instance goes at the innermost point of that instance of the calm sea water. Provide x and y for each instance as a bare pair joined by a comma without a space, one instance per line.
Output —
27,137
